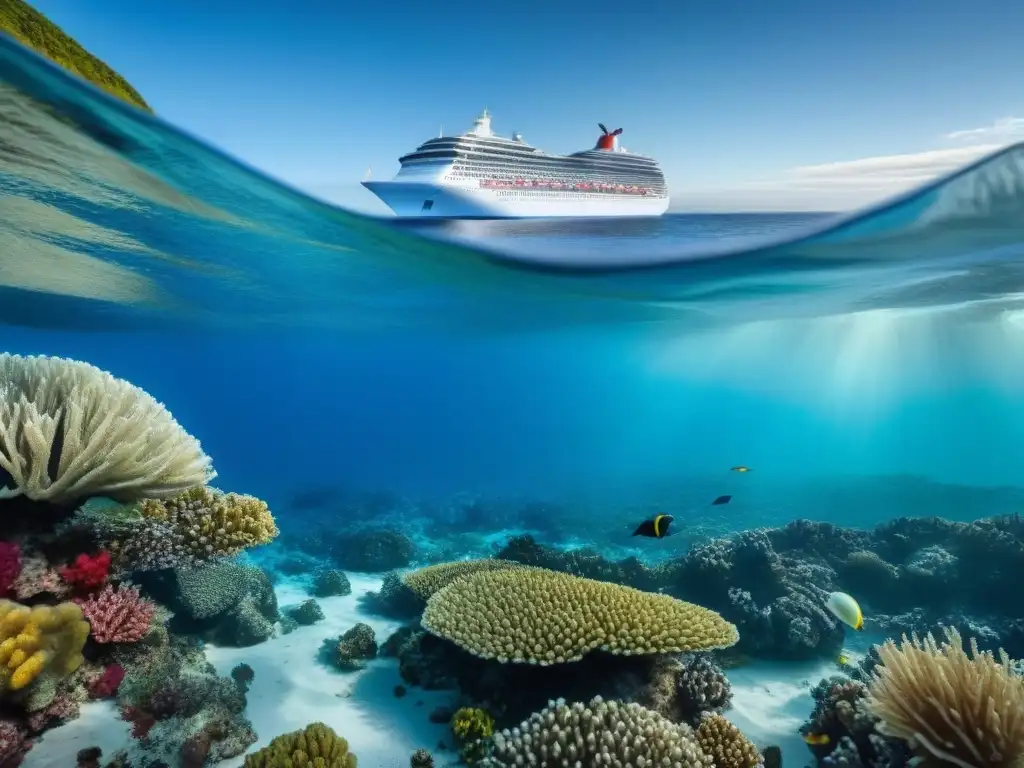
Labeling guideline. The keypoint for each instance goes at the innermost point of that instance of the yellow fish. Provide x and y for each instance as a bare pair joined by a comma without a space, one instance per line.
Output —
843,660
816,739
846,609
740,468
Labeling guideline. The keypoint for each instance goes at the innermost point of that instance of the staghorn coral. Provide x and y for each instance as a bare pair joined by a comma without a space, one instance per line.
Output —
118,614
598,733
315,746
967,710
190,529
544,617
39,644
426,581
725,744
69,431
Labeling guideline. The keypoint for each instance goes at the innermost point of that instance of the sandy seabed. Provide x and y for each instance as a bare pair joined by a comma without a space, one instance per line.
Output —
291,689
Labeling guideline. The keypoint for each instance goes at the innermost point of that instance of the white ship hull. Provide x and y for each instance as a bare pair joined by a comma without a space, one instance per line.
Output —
422,199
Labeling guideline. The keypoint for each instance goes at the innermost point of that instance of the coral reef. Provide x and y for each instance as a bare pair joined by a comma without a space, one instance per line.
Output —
190,529
117,614
328,582
421,758
545,617
114,439
305,613
954,707
315,746
424,582
373,551
355,647
472,727
600,732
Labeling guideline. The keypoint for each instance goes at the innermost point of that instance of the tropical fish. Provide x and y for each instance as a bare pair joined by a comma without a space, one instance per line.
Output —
846,609
721,500
843,660
816,739
740,468
655,528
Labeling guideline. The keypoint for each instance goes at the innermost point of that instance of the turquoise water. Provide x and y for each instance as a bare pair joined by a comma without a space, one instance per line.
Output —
305,344
404,394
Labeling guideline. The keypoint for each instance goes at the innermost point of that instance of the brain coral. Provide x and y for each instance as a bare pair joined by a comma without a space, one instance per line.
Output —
426,581
599,733
546,617
69,430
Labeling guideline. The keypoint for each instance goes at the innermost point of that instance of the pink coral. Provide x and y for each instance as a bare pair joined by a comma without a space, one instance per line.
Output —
37,577
106,683
10,566
62,709
117,614
14,743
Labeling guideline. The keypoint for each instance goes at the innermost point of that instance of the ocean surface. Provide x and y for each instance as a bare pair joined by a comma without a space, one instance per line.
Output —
409,393
611,361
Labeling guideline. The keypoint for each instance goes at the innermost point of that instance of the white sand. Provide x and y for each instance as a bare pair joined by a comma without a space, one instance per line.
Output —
290,690
771,700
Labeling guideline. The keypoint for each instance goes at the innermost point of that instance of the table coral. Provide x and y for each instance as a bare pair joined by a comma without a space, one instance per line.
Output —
544,617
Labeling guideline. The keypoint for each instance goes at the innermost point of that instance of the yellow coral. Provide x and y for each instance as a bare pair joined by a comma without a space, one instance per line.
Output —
471,723
315,746
426,581
37,640
544,617
725,744
213,522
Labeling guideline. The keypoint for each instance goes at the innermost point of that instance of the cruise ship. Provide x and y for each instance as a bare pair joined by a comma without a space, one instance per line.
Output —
482,175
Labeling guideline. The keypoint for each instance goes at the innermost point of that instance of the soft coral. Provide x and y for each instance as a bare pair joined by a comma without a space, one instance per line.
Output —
87,573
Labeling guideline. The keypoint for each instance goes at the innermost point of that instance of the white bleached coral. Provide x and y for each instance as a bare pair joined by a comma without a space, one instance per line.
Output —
69,430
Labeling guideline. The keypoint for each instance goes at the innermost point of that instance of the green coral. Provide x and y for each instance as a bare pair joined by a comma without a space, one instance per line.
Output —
315,746
472,727
307,612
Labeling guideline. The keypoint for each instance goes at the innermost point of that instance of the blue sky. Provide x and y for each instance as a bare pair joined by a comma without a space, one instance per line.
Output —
796,104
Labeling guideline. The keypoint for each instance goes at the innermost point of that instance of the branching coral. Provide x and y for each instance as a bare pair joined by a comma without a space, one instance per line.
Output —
118,614
69,430
34,641
426,581
954,707
315,746
545,617
192,528
598,733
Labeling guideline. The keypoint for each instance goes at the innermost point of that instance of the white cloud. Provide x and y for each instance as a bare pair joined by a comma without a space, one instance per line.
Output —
1006,129
854,183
